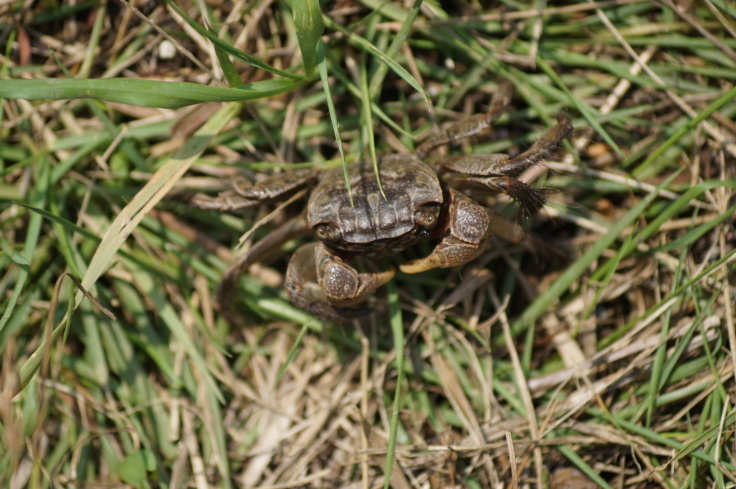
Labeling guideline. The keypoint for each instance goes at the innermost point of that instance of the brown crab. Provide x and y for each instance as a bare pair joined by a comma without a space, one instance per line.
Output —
420,201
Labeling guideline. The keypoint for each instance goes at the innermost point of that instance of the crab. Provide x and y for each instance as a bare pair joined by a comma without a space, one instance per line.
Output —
418,200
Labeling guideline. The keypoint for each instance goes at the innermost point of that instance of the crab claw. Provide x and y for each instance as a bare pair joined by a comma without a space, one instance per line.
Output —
466,236
342,284
320,282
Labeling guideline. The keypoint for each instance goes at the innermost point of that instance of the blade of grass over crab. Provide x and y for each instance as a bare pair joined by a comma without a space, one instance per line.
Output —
399,39
145,93
582,108
374,107
309,25
397,332
367,121
717,104
371,49
36,198
251,60
574,271
124,224
322,68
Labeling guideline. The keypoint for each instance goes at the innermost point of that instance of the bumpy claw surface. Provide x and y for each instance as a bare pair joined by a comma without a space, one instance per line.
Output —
321,283
342,284
466,236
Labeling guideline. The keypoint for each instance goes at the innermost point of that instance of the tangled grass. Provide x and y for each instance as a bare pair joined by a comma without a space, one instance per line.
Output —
601,357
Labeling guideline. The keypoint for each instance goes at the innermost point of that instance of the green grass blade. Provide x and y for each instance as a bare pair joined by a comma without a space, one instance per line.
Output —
292,354
133,213
610,272
227,67
583,466
226,64
683,449
671,210
154,191
375,109
38,198
309,26
251,60
367,122
62,11
398,41
371,49
582,108
543,301
690,126
146,93
696,233
322,68
397,332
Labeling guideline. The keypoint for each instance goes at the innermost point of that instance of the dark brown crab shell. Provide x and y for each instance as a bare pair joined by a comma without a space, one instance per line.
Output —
376,225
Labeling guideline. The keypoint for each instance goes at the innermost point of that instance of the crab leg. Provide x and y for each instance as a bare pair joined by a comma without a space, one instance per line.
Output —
321,283
471,126
244,194
498,172
496,165
466,236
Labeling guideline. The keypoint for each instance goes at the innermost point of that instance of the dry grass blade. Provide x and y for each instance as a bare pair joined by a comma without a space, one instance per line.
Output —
160,184
134,212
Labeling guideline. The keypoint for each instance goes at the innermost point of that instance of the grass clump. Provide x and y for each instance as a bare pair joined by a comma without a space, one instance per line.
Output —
602,358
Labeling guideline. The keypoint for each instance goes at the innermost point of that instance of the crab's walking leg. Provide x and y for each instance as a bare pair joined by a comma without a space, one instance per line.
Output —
466,236
471,126
498,172
245,194
321,283
496,165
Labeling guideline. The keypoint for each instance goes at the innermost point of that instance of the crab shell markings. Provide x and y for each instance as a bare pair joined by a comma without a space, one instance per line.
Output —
377,224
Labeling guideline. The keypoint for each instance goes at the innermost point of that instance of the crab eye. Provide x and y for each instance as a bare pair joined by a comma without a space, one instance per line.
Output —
326,232
427,216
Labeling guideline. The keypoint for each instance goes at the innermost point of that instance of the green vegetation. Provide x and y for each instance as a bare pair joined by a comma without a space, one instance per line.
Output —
604,342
